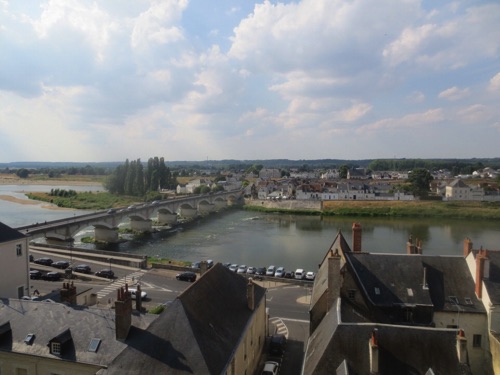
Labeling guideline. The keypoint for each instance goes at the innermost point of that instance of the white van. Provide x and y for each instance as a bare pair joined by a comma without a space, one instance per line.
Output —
299,273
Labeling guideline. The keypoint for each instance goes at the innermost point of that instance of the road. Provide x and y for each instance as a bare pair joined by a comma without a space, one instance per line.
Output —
288,304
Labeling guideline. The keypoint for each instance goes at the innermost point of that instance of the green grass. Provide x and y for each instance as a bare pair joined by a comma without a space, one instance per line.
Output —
86,200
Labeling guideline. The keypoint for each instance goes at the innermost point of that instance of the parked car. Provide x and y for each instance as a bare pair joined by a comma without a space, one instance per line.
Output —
62,264
107,273
82,268
260,271
299,274
289,275
251,270
210,263
280,272
270,368
310,275
111,211
277,344
186,276
195,265
32,258
52,276
270,270
233,267
44,261
35,275
242,269
133,294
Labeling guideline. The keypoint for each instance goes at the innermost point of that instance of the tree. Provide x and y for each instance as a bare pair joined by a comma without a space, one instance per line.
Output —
343,171
22,173
420,180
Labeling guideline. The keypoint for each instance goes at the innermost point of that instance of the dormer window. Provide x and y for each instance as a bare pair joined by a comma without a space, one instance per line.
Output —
55,348
454,300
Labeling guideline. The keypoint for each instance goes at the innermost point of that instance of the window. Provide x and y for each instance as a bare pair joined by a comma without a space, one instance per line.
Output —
454,300
19,249
351,294
468,301
377,291
476,341
55,348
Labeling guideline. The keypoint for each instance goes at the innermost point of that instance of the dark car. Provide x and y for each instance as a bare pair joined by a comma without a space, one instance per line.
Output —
277,344
82,268
35,275
52,276
62,264
186,276
260,271
108,274
32,258
289,275
43,261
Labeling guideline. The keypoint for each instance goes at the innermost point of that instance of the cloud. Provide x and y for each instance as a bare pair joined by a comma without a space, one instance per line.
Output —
495,83
412,120
453,93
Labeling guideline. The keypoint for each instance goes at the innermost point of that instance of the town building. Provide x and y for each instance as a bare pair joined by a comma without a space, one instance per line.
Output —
14,267
395,314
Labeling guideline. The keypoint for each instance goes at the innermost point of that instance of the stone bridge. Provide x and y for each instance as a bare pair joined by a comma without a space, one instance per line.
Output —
105,223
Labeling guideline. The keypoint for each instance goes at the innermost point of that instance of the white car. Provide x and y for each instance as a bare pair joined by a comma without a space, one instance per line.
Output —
270,368
280,272
299,273
133,293
270,270
242,269
310,275
251,270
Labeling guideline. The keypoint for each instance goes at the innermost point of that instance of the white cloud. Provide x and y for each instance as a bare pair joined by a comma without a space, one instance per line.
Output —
412,120
495,83
454,93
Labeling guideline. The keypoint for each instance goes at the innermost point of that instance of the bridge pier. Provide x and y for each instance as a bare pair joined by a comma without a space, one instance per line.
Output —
102,234
188,213
169,219
205,209
141,225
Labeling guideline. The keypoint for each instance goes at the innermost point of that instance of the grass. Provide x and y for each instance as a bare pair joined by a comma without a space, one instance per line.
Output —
422,209
86,200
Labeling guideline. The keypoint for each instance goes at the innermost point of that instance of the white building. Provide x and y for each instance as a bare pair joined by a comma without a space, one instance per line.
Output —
14,266
459,190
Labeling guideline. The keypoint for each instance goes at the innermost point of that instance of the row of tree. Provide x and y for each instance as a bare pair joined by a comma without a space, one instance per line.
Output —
132,179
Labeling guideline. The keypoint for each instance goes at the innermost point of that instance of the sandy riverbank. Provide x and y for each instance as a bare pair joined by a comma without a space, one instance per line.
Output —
8,179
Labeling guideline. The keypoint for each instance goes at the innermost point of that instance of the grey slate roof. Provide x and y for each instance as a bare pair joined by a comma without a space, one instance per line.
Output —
400,278
8,234
48,320
197,333
336,346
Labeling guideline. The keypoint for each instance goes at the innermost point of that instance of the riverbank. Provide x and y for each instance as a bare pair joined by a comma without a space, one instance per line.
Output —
12,179
419,209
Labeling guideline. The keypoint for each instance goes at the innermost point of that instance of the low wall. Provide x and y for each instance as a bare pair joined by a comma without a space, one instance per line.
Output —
288,204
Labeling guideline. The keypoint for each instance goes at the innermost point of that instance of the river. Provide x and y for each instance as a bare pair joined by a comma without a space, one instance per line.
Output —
259,239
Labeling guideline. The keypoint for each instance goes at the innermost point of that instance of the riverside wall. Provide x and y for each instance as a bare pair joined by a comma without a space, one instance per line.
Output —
289,204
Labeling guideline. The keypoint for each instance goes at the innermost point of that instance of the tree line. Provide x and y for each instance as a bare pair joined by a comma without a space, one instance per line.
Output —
133,179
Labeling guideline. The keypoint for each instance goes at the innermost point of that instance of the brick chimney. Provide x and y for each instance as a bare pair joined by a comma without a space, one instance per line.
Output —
461,347
467,246
203,267
356,237
251,295
334,280
482,271
138,298
373,349
123,313
68,293
419,247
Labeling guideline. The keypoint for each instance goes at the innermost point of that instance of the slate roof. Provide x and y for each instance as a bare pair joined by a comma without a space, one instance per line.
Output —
458,183
48,320
198,332
399,279
8,234
492,284
337,346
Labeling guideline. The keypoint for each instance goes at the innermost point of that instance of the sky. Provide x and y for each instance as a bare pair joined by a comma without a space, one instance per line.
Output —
110,80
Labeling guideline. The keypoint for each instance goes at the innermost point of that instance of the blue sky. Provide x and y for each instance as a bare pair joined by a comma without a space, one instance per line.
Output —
191,80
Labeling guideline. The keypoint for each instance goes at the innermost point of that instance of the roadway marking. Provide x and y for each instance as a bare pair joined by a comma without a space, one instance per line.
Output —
281,327
134,277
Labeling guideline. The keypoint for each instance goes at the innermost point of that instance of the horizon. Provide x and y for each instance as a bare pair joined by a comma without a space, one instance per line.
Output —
195,80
